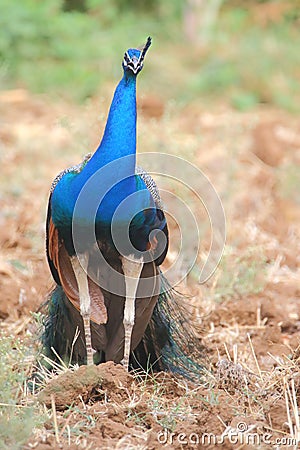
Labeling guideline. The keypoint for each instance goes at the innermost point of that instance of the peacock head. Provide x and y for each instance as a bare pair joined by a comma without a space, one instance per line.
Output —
134,58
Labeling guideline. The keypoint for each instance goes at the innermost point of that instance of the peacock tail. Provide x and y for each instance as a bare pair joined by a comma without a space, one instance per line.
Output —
170,338
169,343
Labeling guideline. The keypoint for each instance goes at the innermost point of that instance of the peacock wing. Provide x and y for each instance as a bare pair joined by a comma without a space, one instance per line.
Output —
62,272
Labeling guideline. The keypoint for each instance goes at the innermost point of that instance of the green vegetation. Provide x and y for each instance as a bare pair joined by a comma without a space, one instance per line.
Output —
18,413
244,55
289,182
240,275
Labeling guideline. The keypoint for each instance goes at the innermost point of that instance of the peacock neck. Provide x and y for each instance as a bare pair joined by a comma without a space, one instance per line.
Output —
105,174
119,137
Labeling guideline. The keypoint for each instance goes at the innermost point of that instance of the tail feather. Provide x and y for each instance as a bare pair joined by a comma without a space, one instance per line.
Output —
60,329
169,343
169,340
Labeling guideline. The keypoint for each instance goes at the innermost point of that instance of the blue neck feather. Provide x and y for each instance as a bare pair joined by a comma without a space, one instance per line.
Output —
119,140
119,137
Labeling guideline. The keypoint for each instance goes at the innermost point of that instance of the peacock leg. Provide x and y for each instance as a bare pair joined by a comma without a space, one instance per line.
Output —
132,269
80,265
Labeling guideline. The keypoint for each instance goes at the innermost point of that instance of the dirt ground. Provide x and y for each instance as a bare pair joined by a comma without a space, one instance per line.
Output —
247,315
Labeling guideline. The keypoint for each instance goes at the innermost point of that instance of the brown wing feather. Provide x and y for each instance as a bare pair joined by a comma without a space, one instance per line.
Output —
61,260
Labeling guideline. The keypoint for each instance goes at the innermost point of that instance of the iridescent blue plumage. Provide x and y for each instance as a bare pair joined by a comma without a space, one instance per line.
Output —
112,185
102,221
106,206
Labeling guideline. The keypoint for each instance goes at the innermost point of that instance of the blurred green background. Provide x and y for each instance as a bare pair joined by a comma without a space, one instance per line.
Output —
242,52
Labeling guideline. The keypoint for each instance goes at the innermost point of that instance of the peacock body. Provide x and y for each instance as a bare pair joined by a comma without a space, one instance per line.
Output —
106,238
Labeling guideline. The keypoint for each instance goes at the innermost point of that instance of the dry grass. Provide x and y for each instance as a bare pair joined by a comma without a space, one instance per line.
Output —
155,402
247,315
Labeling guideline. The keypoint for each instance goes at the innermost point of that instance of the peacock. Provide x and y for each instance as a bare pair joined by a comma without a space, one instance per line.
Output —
106,237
